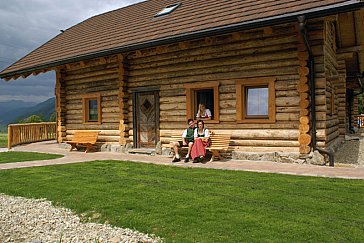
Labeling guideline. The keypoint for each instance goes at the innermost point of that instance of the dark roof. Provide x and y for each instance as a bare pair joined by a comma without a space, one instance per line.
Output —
135,27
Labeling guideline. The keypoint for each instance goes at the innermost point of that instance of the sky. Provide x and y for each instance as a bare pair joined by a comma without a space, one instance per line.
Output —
27,24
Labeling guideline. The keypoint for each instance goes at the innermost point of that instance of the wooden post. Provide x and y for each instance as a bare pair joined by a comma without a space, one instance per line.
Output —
60,99
46,131
10,136
121,95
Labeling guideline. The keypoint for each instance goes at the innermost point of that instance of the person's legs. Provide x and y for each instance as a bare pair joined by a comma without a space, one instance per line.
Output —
175,149
176,154
189,151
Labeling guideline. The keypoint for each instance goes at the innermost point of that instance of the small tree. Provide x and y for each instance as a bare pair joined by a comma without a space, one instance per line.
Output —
3,129
53,117
32,119
361,103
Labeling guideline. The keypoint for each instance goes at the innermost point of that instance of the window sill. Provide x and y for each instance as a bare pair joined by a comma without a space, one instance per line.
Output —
256,121
208,121
91,123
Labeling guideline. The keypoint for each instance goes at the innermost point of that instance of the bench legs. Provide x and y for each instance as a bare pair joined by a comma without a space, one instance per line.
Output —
73,146
215,153
87,147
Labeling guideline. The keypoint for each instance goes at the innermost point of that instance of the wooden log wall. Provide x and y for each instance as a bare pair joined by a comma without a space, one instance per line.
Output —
322,41
123,100
303,89
266,52
355,112
276,52
103,76
332,82
60,104
341,95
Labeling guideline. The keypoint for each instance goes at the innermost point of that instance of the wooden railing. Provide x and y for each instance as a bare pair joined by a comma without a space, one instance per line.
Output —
361,121
31,132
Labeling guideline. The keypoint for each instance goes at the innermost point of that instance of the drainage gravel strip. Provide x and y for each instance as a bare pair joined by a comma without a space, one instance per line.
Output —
36,220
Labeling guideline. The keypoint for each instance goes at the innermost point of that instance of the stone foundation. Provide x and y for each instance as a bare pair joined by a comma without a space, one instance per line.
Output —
313,158
271,156
64,146
167,151
103,148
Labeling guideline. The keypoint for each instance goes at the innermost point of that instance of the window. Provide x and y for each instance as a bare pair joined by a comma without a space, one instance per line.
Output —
167,10
91,107
207,94
255,100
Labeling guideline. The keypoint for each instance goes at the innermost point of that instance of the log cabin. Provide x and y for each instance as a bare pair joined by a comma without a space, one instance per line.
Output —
282,76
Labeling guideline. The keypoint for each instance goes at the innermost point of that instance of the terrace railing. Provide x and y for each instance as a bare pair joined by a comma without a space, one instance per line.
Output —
31,132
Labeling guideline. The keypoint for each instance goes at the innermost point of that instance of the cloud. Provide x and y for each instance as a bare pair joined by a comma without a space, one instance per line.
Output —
27,24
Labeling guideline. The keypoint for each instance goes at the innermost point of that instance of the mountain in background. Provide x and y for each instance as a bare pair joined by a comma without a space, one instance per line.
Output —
13,111
7,106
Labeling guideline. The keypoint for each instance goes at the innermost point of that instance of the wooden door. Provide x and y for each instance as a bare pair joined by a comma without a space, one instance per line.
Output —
146,123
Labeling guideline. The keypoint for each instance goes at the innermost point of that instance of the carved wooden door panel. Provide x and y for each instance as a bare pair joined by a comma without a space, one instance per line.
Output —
146,109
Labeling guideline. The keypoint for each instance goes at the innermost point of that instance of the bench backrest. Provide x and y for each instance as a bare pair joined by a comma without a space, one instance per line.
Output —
86,136
218,140
176,136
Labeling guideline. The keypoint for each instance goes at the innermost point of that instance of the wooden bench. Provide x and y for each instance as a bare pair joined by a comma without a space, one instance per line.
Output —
219,142
84,139
175,137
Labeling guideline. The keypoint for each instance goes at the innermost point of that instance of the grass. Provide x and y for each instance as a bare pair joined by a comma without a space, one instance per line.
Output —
200,205
12,156
3,140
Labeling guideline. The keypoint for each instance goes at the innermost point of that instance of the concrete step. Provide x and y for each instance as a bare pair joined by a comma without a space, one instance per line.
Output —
150,151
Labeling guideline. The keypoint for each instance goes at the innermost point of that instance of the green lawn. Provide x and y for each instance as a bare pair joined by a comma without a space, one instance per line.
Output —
3,140
12,156
200,205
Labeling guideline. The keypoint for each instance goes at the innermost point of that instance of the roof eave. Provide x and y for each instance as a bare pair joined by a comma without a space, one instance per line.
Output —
286,18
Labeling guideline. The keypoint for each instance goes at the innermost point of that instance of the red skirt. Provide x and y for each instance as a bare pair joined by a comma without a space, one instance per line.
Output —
198,148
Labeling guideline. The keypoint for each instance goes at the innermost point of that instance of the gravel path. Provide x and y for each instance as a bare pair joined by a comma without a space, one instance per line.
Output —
36,221
352,151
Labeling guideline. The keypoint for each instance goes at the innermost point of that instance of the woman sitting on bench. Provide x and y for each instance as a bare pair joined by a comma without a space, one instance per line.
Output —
201,141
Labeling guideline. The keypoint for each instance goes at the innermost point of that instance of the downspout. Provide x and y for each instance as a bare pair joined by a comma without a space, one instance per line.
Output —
311,66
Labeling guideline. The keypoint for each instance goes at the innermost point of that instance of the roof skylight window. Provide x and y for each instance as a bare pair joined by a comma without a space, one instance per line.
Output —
167,10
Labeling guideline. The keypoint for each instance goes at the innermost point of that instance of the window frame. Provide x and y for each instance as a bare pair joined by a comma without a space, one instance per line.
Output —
85,108
167,10
241,102
191,99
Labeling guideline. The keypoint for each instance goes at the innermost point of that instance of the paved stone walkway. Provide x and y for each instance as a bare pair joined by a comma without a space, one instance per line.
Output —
256,166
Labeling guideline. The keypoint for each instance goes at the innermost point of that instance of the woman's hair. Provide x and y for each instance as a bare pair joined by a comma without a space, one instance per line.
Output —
199,109
201,121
